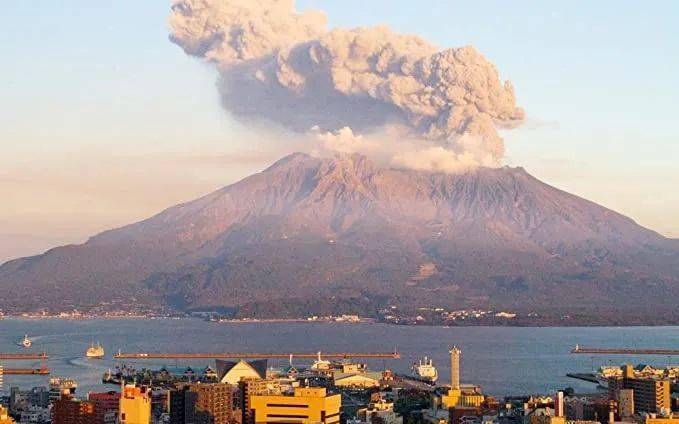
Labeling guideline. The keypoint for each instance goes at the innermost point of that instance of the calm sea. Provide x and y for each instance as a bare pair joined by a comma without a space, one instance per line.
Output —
503,361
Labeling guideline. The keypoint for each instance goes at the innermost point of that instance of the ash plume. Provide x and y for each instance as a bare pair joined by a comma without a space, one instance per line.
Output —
285,67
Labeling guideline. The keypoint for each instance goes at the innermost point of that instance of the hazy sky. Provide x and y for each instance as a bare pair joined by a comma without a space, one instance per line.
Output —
103,121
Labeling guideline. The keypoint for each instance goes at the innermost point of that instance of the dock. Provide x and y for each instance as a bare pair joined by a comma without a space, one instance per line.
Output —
256,355
26,371
23,356
589,377
623,351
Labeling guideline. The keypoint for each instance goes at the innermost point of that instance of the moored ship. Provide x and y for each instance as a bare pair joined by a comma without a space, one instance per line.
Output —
95,351
425,370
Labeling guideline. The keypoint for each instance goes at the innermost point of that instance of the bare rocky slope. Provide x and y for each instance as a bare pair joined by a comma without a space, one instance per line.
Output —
322,235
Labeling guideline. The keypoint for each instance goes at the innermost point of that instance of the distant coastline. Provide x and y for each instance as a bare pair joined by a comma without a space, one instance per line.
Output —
333,320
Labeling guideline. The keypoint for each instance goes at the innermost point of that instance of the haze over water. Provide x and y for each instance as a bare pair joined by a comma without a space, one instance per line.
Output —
503,361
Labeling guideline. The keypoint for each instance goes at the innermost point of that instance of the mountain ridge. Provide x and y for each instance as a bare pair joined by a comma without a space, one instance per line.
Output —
310,227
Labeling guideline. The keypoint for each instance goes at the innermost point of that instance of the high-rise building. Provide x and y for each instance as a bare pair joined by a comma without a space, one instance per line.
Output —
558,405
649,394
68,410
135,405
455,367
307,405
105,406
209,403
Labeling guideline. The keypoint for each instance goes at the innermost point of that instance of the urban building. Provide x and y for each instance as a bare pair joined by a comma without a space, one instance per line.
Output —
307,405
22,400
626,403
68,410
198,403
106,406
361,380
232,372
650,395
379,409
546,419
654,419
250,387
135,405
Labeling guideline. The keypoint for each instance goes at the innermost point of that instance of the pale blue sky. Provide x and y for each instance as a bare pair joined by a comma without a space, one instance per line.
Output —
103,121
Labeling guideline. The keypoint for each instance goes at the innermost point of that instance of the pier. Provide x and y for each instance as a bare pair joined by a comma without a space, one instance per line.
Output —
26,371
23,356
622,351
251,355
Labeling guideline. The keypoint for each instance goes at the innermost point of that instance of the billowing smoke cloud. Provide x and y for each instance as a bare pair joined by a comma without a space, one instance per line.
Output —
285,67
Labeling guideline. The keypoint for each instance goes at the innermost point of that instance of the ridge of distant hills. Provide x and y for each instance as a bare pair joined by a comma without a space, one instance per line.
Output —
339,235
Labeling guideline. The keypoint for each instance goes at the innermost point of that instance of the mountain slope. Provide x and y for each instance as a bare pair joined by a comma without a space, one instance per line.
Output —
346,230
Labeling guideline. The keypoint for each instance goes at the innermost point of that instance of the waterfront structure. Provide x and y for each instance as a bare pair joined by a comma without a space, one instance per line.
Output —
4,416
232,372
306,405
460,396
68,410
202,403
135,405
106,406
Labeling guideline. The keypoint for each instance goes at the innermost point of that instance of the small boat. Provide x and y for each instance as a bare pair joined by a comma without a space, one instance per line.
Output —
425,370
26,342
95,351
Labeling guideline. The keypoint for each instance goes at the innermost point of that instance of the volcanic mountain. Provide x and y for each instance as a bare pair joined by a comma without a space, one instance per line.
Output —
323,235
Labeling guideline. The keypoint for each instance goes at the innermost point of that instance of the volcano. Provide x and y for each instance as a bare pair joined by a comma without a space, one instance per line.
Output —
323,235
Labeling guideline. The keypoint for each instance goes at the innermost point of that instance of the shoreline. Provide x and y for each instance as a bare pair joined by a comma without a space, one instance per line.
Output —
21,317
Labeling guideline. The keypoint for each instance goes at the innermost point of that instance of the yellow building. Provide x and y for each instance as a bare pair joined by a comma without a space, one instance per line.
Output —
547,419
135,405
662,420
307,405
4,418
462,398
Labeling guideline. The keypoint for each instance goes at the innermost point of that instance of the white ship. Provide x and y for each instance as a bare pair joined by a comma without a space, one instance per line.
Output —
26,342
321,364
95,351
425,370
